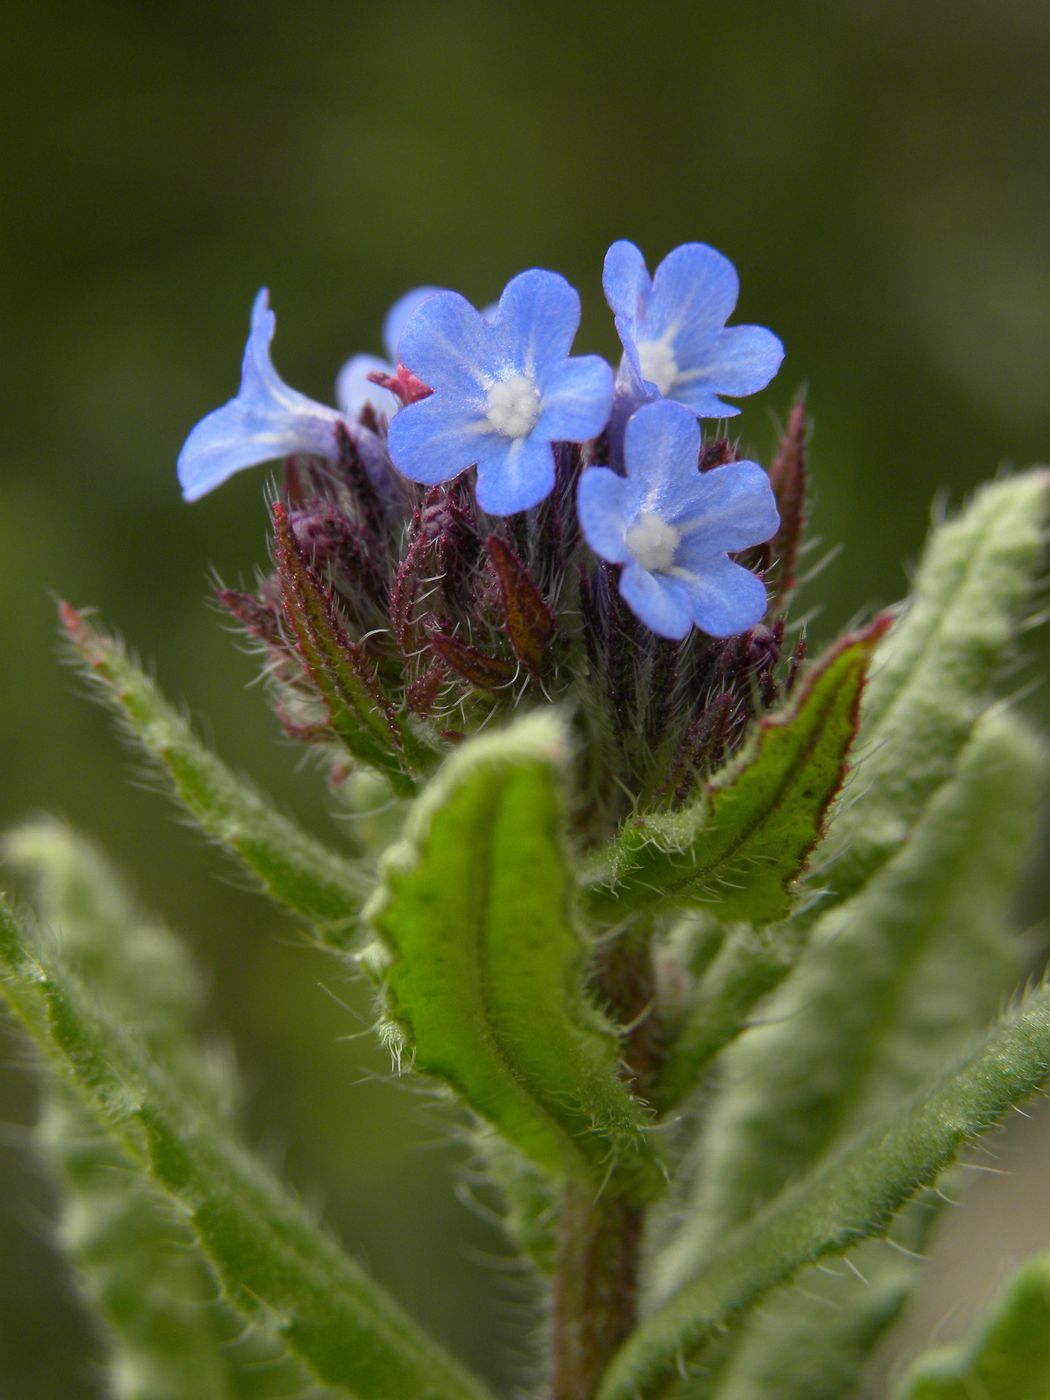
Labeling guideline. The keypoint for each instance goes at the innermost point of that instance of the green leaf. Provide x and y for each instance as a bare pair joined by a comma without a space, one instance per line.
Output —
853,1193
292,867
1007,1358
740,848
935,672
167,1334
486,970
897,981
275,1266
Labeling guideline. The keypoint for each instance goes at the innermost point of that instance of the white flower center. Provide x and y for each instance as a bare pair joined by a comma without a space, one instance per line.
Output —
652,542
658,364
514,406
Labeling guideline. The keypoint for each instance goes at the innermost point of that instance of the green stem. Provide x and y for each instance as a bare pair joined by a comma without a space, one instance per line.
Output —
596,1281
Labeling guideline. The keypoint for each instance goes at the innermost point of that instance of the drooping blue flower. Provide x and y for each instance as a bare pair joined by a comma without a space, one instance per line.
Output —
504,389
673,327
673,527
354,391
266,420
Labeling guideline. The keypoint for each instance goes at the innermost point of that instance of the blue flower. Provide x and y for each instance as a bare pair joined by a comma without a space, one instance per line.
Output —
504,389
265,421
673,527
354,391
673,327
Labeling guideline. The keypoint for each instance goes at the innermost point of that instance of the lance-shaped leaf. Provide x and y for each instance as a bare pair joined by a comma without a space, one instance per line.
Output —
167,1334
486,970
1008,1357
275,1266
896,983
292,867
935,673
530,622
482,670
741,847
854,1193
360,712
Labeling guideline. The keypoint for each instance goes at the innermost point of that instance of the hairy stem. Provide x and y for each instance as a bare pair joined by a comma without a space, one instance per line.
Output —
596,1283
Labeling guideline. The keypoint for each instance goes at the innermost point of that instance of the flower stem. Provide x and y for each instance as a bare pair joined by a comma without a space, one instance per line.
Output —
599,1232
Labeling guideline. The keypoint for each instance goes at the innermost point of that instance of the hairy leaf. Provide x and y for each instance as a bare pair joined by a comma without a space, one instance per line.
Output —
935,672
741,847
853,1193
167,1334
292,867
275,1266
1007,1358
486,969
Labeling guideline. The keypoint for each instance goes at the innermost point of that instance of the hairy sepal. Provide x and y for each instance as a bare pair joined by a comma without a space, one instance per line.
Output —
293,868
360,713
740,849
485,968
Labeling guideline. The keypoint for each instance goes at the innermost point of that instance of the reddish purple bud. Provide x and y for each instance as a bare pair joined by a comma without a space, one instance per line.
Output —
253,614
787,476
483,671
719,452
530,622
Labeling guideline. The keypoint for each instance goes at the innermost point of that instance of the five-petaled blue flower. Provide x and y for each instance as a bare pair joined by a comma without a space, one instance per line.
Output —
673,327
265,421
504,389
353,389
673,527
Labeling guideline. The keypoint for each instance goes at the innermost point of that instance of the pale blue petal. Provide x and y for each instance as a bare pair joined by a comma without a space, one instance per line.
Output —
626,283
266,420
662,603
354,391
434,439
726,598
740,360
662,452
399,315
538,316
513,474
724,510
695,288
606,505
575,399
451,348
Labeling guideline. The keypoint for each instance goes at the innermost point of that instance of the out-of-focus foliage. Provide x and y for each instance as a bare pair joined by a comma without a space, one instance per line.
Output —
877,174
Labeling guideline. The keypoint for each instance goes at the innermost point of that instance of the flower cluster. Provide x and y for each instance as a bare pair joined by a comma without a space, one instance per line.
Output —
486,513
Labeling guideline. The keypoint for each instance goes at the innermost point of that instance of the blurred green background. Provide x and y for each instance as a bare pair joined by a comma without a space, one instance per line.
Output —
880,174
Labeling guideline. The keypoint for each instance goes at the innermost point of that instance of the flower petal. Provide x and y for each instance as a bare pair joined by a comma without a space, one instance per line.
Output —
354,390
726,509
606,506
575,399
662,603
399,315
513,474
434,439
266,420
662,452
537,318
626,283
447,345
725,598
740,360
695,287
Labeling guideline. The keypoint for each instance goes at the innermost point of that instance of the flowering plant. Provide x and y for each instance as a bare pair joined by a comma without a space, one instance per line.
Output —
665,903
